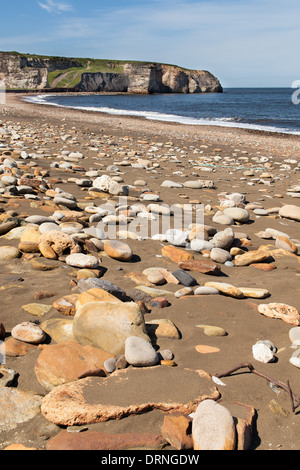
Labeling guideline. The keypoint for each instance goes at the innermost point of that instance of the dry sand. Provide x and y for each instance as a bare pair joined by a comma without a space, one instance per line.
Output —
238,317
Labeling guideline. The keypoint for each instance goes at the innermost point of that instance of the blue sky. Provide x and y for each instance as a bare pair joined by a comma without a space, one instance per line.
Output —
243,42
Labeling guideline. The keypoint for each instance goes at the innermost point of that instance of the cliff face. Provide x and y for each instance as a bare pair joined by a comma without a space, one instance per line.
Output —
152,78
33,72
29,72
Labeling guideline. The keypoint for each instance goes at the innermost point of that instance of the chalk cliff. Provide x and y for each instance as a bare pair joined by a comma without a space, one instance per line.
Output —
31,72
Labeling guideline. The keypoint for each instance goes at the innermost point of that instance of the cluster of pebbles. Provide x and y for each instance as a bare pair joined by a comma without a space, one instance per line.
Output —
111,216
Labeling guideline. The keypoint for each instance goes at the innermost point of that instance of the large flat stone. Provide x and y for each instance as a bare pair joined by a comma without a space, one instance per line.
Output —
127,391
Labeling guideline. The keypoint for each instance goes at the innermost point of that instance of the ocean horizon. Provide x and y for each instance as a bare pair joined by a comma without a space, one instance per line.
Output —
263,109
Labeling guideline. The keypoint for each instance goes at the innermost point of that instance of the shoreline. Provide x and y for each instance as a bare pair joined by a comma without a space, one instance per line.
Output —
279,144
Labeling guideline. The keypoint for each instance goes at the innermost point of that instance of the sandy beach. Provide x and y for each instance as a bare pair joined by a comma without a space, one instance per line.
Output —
142,155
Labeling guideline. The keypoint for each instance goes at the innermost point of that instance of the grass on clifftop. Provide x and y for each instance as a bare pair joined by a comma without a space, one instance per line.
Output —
70,77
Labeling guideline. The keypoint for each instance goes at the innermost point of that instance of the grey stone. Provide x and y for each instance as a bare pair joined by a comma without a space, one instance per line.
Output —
65,202
139,352
177,237
223,239
110,365
220,256
213,427
197,244
238,214
80,260
38,219
184,278
205,290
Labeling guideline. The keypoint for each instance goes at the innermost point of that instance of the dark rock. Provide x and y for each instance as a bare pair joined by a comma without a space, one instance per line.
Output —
92,283
184,278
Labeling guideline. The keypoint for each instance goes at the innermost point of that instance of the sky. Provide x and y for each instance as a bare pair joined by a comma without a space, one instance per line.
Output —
245,43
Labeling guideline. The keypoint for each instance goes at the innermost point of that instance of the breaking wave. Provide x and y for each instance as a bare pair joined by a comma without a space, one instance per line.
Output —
233,122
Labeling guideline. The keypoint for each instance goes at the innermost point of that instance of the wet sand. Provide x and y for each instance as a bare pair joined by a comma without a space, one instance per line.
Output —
223,155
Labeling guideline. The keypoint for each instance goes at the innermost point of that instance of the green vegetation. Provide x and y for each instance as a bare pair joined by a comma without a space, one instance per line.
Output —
70,77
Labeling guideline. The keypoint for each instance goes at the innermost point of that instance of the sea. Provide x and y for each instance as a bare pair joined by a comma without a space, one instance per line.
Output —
263,109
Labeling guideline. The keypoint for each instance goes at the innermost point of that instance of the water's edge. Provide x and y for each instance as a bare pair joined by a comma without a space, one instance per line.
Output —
229,122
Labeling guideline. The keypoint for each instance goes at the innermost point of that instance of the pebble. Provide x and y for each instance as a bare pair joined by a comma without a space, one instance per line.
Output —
154,276
69,203
205,266
38,219
159,302
8,253
290,211
286,244
150,197
294,335
177,237
71,227
79,260
199,245
171,184
255,292
276,233
162,328
199,184
223,219
205,290
176,254
118,250
213,427
205,349
220,256
48,226
238,214
260,212
153,292
262,352
110,365
285,312
223,239
184,291
106,184
159,209
210,330
139,352
226,289
29,333
295,359
184,278
255,256
37,310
